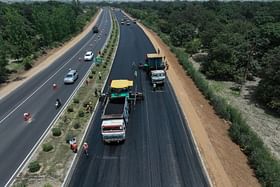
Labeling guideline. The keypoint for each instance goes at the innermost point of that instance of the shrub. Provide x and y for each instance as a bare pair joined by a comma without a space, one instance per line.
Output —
104,66
68,137
34,166
70,109
90,76
27,65
81,114
76,100
93,72
77,125
47,147
47,185
56,131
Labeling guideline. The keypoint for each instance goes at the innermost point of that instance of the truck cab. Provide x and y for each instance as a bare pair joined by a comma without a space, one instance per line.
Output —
114,120
113,130
157,77
155,67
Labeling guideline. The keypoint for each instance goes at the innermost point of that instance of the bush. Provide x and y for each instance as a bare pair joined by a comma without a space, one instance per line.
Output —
81,114
90,76
70,109
76,101
104,66
56,131
93,72
47,147
47,185
34,166
68,137
77,125
27,62
27,65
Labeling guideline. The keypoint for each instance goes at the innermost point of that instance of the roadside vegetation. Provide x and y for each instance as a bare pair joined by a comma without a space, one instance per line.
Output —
51,161
241,42
29,30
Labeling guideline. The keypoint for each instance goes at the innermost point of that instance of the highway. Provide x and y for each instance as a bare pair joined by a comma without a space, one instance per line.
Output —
158,150
19,138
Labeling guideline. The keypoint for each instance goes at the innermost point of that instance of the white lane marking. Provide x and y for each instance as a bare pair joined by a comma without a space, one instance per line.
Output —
46,81
28,157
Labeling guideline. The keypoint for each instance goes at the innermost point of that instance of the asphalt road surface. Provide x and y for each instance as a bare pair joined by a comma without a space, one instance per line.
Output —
37,97
158,150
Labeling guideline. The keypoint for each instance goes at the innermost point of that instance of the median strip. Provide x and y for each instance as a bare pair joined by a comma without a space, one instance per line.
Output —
51,162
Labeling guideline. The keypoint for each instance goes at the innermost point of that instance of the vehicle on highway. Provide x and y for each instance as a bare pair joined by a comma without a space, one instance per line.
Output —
127,23
89,55
114,120
122,22
124,88
57,103
157,77
134,21
71,77
95,29
155,67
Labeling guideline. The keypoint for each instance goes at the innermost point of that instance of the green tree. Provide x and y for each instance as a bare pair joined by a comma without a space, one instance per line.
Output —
268,90
182,33
3,61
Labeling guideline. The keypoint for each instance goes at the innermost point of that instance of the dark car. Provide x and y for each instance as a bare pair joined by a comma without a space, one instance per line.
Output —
95,29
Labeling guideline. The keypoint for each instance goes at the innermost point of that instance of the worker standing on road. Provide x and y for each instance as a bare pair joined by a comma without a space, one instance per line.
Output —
27,116
85,148
73,145
99,75
54,86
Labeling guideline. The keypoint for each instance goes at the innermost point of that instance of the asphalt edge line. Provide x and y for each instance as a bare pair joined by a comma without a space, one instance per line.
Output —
23,164
76,157
202,162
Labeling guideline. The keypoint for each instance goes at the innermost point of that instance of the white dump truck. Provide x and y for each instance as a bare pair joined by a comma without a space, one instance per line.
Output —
114,120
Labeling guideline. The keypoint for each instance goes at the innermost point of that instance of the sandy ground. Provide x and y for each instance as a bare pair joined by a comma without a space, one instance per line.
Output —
46,60
225,162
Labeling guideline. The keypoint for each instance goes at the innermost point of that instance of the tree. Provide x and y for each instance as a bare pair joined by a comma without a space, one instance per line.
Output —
268,90
182,33
3,61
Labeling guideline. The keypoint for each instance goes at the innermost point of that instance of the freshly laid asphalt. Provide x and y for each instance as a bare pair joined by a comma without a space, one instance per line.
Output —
158,150
37,97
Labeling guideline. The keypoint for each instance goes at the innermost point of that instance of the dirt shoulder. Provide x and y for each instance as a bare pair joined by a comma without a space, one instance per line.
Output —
225,162
46,60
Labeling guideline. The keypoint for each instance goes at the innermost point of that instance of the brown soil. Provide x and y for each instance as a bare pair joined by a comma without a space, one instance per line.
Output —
225,162
45,60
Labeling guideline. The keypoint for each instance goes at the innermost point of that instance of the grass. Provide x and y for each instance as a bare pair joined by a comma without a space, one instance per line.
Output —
56,162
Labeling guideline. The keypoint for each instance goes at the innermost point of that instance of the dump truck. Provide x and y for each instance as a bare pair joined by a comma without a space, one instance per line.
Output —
117,104
155,67
115,119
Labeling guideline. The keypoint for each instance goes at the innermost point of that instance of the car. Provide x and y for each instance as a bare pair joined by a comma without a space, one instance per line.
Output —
95,29
71,77
122,22
134,21
127,23
89,55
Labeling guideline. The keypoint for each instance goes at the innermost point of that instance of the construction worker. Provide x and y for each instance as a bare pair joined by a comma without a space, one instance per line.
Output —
85,148
54,86
26,116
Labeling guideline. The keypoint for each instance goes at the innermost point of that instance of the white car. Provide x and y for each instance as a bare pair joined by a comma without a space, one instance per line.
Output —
89,55
71,77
